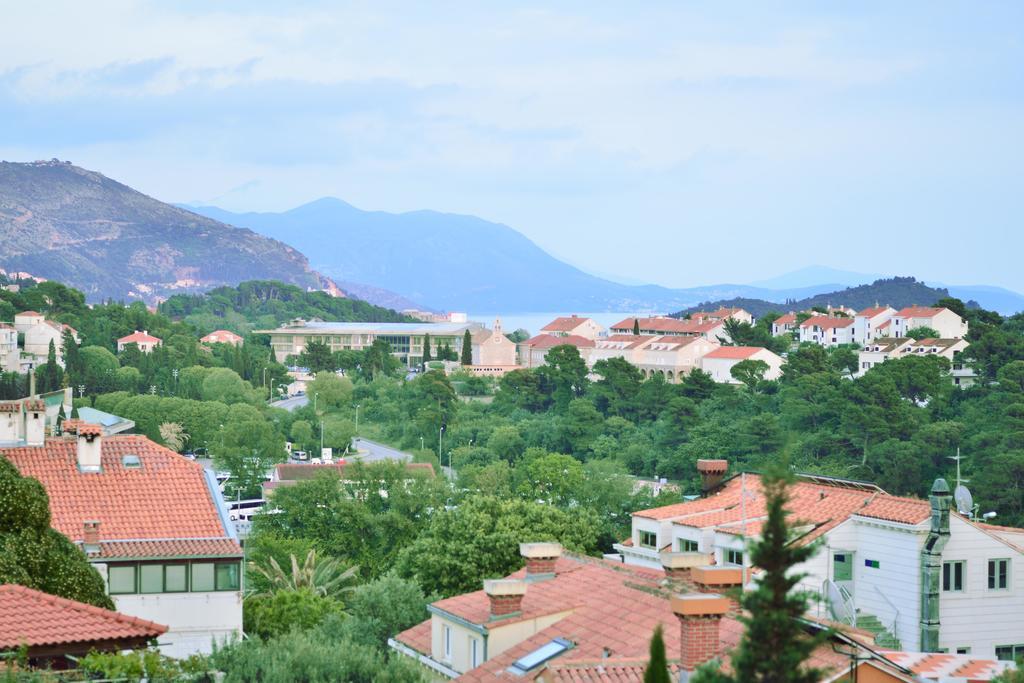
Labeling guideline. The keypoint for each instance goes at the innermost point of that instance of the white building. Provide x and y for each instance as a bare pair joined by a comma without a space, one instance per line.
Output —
152,523
784,324
719,362
948,324
923,576
827,330
866,323
144,340
573,325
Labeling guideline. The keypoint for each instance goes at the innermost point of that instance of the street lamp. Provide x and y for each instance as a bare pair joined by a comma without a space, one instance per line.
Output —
315,396
81,390
439,433
264,376
174,373
357,419
321,438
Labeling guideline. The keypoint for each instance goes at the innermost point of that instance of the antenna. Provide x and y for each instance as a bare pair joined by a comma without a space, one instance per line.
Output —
961,494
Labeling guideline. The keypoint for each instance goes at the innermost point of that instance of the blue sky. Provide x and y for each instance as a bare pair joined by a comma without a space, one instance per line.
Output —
677,143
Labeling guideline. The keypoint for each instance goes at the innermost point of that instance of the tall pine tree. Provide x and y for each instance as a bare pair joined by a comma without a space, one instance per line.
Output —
636,326
775,648
657,665
426,350
467,348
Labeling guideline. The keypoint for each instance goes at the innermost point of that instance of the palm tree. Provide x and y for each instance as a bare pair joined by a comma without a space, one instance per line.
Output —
327,578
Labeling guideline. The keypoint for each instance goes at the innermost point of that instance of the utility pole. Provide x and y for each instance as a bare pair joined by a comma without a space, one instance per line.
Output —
357,419
321,438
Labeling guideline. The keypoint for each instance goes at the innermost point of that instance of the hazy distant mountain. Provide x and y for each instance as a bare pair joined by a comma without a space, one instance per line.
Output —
822,277
454,262
62,222
898,292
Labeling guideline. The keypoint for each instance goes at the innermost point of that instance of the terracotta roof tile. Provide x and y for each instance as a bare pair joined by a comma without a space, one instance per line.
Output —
919,312
827,322
564,324
935,667
167,497
872,311
138,338
30,617
734,352
547,341
178,548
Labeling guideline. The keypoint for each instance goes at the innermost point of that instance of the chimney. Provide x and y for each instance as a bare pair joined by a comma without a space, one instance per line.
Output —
713,578
711,473
540,559
35,422
91,538
505,596
931,565
90,440
699,616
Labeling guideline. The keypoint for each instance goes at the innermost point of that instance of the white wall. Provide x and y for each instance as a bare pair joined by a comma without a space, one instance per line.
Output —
195,619
980,618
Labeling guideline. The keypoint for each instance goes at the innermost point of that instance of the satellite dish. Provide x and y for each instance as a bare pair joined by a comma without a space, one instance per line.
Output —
839,604
964,500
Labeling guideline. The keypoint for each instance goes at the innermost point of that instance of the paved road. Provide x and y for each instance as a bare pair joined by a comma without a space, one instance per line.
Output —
371,451
291,403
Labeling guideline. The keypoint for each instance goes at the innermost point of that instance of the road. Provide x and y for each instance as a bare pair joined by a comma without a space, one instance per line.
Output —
371,451
291,403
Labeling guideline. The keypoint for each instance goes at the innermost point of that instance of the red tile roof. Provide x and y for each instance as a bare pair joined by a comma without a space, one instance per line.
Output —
919,312
827,322
184,547
734,352
653,324
812,502
138,338
564,324
935,667
787,319
548,341
872,311
166,498
221,336
33,313
610,670
33,618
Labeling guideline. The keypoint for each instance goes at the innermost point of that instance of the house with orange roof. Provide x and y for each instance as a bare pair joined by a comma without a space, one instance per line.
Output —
151,522
784,324
573,325
144,340
670,357
28,319
948,324
719,362
866,323
827,330
723,314
924,575
533,352
55,631
566,617
885,348
222,337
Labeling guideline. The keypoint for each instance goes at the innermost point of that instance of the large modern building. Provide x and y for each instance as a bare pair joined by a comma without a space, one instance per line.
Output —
406,339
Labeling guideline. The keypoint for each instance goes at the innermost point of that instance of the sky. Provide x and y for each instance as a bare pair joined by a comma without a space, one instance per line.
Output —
671,142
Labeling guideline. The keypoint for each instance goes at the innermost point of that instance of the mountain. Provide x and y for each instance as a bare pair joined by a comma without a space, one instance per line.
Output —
898,292
463,263
824,278
62,222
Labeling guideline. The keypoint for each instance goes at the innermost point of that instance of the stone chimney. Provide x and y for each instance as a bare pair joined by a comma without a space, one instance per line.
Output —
91,538
10,416
90,440
699,616
711,473
540,559
35,422
505,596
714,578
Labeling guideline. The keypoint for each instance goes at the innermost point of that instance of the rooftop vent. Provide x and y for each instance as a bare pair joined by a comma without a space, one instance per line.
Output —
131,461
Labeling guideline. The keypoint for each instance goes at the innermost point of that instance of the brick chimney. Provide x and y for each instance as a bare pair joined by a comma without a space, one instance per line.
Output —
91,538
505,596
540,559
90,439
699,616
711,473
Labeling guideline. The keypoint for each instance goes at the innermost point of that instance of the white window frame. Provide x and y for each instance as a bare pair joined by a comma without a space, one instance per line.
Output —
446,636
996,575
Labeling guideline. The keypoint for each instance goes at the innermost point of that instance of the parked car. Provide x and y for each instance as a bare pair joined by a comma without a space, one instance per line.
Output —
300,455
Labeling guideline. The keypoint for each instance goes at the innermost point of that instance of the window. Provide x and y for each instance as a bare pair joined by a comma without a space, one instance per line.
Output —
734,557
648,539
228,576
998,574
686,546
121,579
203,577
151,578
1009,653
474,653
953,576
963,650
447,641
175,578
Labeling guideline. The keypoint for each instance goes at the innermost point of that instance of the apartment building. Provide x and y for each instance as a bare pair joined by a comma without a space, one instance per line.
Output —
827,330
719,362
784,324
723,314
867,324
573,325
948,324
670,357
709,329
37,334
533,352
152,523
921,574
885,348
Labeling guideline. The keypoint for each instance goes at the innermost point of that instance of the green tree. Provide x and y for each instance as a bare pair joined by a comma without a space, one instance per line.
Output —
567,372
480,539
636,326
383,607
226,386
332,392
657,664
49,375
774,647
72,358
173,435
302,434
325,577
507,443
284,610
317,357
35,555
98,368
749,372
554,478
247,449
426,350
922,332
467,349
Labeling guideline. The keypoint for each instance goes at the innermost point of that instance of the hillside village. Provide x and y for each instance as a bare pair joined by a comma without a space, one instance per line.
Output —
216,474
